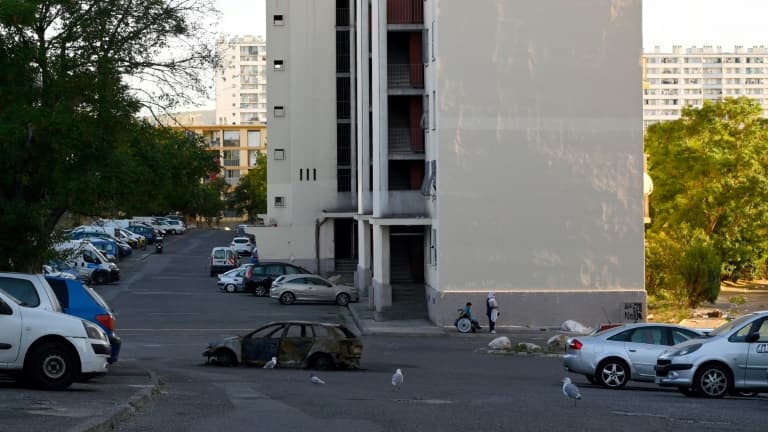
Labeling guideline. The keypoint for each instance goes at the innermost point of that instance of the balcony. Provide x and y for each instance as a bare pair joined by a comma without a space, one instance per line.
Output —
406,203
405,76
405,12
406,143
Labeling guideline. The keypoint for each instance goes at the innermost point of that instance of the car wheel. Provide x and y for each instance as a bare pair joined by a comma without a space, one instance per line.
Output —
342,299
260,291
230,288
689,391
712,381
322,362
100,278
51,365
224,357
612,373
287,298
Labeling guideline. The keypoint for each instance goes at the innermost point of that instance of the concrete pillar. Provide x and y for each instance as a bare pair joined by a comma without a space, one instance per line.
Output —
382,290
363,102
380,107
364,245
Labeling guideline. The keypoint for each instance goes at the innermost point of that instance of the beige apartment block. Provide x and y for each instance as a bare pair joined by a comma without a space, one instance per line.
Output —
432,151
241,87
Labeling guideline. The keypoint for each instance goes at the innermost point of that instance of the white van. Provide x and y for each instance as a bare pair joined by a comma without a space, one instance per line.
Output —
91,264
223,259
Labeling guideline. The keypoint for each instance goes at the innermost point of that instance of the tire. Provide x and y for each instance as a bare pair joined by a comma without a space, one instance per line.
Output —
612,373
212,273
712,381
224,357
464,325
342,299
322,362
230,288
689,391
52,366
260,291
287,298
100,278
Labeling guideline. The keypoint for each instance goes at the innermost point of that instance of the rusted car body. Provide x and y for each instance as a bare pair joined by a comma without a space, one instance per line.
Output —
296,344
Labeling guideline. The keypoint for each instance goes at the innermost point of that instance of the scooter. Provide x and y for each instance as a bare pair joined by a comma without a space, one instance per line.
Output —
159,246
464,324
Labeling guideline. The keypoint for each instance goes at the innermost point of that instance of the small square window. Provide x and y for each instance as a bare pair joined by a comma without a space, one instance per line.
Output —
277,20
279,111
278,65
279,154
279,201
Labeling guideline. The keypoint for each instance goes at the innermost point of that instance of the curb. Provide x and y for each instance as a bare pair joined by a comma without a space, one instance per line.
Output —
522,353
357,321
123,411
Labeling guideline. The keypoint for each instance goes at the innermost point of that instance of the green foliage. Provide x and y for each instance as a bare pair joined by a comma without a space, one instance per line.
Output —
250,195
70,139
737,300
710,174
700,271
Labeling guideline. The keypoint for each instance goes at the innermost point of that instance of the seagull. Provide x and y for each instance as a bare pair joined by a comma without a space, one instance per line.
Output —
570,390
397,379
315,379
271,364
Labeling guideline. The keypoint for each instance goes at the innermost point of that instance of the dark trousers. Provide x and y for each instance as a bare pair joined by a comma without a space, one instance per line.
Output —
491,324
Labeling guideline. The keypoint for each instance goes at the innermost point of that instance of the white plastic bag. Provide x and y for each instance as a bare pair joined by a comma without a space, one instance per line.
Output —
574,327
500,343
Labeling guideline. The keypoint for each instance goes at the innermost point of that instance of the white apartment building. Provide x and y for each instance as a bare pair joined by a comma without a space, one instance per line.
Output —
442,149
241,82
689,76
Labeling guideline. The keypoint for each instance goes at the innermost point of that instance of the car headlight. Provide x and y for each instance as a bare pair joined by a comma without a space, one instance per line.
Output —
94,332
685,350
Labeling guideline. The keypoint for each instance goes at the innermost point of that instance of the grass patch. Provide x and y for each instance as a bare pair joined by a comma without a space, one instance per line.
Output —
666,311
737,300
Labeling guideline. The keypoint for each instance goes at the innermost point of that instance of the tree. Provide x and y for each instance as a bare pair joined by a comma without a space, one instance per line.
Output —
710,174
250,195
68,117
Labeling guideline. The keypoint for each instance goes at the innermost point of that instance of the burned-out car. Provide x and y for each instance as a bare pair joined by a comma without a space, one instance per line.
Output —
295,344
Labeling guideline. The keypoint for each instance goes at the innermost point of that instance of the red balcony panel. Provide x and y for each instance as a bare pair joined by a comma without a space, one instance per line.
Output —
405,12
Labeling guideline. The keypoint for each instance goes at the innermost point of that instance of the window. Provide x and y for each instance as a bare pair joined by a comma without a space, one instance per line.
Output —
321,331
279,111
279,201
21,289
254,138
277,65
433,248
295,331
231,138
272,332
277,20
279,154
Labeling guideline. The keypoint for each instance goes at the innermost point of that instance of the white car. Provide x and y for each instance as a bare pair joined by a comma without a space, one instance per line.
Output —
50,349
242,245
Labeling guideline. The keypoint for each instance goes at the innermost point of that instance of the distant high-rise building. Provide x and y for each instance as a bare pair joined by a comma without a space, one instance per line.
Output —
689,76
241,82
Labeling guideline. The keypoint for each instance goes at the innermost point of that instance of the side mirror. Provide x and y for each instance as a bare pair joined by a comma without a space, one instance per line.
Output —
5,309
47,269
752,337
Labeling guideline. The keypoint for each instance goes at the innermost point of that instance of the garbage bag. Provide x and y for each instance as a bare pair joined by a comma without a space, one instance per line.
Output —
574,327
500,343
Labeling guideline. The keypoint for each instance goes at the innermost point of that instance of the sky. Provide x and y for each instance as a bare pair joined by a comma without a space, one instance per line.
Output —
665,22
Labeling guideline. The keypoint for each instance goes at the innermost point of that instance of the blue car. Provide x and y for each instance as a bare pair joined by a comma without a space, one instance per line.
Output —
83,302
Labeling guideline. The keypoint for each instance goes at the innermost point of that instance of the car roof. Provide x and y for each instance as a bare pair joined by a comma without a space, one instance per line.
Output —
628,326
320,323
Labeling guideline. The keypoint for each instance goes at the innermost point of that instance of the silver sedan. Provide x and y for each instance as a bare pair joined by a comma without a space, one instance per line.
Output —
733,360
615,356
308,287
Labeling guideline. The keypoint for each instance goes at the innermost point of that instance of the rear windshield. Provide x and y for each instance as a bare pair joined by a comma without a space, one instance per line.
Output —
241,240
100,300
219,254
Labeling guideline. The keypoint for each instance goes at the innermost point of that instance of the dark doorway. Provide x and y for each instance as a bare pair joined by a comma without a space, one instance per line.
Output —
345,238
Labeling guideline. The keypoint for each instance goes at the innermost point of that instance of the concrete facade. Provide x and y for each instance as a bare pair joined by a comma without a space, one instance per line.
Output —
487,156
241,87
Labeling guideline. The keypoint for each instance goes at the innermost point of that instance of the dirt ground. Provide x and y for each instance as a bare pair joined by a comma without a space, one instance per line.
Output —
735,299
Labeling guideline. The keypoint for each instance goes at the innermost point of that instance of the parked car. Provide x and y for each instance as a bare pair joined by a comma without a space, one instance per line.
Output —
311,288
242,245
150,234
223,259
617,355
90,263
80,300
295,344
48,348
260,277
176,227
733,359
232,280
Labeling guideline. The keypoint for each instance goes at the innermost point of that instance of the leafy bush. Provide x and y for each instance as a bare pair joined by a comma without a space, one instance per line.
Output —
700,270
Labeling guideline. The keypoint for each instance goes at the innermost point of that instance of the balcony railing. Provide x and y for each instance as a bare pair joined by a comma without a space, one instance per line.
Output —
405,76
406,203
342,17
405,11
406,140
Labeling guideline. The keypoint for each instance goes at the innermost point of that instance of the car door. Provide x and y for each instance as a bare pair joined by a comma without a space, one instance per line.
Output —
757,359
298,286
273,271
10,330
261,345
295,345
320,290
643,347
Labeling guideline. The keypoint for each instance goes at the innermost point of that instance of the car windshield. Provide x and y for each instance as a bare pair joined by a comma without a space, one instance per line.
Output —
735,324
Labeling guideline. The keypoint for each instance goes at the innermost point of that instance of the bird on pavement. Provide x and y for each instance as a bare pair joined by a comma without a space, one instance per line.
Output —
271,364
570,390
315,379
397,379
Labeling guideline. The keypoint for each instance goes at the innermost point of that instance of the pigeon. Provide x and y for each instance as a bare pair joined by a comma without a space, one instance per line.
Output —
570,390
271,364
315,379
397,379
